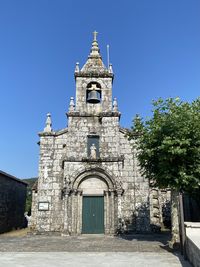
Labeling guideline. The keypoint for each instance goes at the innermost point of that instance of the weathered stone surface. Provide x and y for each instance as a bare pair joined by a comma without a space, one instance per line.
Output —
65,164
12,202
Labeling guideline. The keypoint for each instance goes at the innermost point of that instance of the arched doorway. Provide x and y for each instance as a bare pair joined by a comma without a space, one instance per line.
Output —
93,189
92,194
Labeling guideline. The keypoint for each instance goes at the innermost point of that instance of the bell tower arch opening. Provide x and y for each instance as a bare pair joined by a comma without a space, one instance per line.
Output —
93,93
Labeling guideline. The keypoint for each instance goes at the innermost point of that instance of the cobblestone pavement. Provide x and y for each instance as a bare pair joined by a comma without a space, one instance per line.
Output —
88,250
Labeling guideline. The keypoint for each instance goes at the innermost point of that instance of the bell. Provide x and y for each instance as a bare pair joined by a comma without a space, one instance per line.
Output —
93,97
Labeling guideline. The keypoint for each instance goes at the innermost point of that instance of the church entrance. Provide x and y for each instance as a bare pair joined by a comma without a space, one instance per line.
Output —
93,215
91,207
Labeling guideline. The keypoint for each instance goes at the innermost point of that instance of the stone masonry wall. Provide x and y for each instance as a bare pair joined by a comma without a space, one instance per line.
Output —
71,145
135,205
12,203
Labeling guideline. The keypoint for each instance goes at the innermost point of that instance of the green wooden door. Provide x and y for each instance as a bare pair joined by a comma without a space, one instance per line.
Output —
93,215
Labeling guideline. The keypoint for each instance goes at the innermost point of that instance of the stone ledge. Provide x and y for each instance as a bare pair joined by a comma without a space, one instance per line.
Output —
54,133
193,242
94,74
110,159
192,224
100,115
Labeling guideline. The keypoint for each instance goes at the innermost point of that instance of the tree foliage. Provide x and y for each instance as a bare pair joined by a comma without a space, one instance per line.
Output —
168,144
30,183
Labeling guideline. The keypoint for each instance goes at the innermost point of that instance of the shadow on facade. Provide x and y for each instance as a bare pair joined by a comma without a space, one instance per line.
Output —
140,228
166,214
139,222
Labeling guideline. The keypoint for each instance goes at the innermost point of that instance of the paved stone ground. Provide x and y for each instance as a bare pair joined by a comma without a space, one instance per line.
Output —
84,243
88,250
89,259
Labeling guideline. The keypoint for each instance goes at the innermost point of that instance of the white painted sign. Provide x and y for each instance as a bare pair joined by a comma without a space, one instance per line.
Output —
43,206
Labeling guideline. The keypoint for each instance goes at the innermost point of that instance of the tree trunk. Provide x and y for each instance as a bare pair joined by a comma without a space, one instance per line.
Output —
174,218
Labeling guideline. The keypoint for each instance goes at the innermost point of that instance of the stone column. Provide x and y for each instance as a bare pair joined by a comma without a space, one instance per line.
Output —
112,213
74,213
79,212
106,212
66,226
174,218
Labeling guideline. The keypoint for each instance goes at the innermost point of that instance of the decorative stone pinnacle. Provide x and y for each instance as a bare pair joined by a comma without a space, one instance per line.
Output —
110,68
71,105
77,67
48,128
115,105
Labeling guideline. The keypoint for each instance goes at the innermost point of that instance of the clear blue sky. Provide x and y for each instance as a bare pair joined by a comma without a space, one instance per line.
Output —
154,48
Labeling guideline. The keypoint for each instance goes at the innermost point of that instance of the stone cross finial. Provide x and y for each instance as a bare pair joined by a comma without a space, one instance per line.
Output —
71,105
95,35
48,128
95,49
115,105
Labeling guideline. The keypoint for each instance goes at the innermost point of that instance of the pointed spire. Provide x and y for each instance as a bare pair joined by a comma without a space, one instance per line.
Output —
71,105
48,128
77,67
94,52
94,65
115,105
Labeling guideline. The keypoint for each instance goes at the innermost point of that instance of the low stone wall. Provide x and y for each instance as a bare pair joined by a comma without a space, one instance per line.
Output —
193,243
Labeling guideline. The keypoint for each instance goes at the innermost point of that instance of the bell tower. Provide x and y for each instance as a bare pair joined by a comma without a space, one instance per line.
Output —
94,83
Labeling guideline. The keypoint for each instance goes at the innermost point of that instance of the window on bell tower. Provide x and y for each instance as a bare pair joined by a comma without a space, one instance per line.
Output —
93,93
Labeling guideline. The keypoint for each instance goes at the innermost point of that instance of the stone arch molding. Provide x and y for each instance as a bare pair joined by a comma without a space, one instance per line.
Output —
113,182
90,80
74,198
83,173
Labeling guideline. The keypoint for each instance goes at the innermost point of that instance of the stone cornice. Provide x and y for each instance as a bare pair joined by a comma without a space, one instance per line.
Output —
98,160
53,133
99,115
93,74
124,130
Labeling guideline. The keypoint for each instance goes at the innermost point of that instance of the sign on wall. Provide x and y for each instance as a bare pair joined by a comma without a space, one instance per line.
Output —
43,205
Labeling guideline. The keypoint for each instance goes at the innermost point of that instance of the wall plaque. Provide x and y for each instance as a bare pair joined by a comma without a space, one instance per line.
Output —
43,205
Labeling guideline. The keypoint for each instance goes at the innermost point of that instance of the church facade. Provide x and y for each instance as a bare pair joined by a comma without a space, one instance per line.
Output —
89,180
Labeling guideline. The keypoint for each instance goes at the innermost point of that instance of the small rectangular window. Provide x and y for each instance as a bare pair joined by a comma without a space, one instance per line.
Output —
93,140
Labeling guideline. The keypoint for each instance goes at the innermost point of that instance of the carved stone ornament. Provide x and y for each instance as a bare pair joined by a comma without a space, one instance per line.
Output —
119,189
93,152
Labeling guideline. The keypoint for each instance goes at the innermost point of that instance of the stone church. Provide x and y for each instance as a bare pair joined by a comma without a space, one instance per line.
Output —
89,180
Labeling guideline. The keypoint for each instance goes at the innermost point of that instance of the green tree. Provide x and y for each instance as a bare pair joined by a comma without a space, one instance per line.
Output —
168,144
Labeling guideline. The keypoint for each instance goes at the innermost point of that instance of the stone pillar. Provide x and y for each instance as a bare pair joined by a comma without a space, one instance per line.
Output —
106,212
74,213
79,212
112,213
155,210
67,214
174,218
